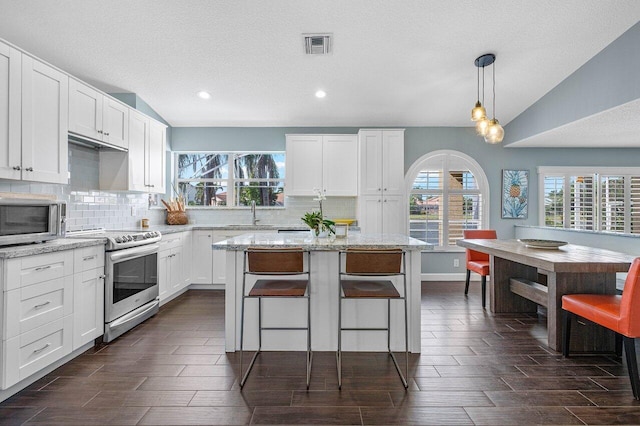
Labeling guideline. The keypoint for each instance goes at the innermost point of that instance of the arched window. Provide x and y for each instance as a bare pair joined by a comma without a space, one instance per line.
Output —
448,193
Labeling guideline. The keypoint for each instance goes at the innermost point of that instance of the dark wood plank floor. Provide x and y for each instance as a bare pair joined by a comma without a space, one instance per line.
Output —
475,368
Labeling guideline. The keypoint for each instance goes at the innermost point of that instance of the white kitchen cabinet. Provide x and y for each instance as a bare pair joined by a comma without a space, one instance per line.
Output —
325,162
187,259
37,313
170,266
381,162
88,295
10,112
34,107
45,112
97,116
142,168
202,257
381,202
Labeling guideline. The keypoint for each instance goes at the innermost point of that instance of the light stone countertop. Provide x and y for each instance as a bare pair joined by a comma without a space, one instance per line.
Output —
171,229
49,247
304,239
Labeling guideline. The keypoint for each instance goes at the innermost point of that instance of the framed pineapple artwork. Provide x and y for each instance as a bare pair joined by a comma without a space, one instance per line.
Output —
515,194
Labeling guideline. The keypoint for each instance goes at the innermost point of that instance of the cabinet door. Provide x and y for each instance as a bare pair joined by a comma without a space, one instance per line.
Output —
85,110
45,122
88,306
370,162
187,259
202,257
370,218
175,270
393,162
155,158
163,273
10,112
138,135
394,220
340,165
115,123
303,164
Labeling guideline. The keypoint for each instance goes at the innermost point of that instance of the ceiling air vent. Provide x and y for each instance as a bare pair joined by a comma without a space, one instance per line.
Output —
317,44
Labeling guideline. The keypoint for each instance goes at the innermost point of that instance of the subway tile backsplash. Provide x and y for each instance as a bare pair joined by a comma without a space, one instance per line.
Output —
90,208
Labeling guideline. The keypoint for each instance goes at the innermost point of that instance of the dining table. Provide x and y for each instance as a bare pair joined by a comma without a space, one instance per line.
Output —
533,275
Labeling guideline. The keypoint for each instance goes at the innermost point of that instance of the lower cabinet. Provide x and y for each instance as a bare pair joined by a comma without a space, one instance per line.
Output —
201,255
88,306
51,304
171,266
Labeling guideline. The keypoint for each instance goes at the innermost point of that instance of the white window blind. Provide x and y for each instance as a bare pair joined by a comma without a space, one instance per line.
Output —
601,199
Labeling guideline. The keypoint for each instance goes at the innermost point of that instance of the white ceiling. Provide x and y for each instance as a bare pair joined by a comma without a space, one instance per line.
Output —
395,62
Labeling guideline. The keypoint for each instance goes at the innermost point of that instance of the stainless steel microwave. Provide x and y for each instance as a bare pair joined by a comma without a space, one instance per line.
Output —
25,221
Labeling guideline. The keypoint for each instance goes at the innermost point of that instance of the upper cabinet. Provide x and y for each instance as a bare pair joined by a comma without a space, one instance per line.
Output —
34,107
97,116
325,162
143,167
381,162
10,112
382,204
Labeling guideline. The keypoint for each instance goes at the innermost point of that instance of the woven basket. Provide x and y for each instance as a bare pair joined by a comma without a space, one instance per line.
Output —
177,218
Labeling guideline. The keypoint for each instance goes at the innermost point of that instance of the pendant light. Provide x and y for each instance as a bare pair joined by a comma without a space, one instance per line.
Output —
478,112
490,129
495,132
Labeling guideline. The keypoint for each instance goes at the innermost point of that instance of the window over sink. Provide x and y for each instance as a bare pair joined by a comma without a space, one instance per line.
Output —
229,179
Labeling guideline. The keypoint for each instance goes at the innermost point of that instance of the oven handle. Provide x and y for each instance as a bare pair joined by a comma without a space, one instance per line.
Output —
128,317
133,252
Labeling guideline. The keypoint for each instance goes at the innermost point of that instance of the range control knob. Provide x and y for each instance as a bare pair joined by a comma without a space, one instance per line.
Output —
118,240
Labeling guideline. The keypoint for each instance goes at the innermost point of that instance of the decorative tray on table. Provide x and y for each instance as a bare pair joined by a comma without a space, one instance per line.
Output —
542,244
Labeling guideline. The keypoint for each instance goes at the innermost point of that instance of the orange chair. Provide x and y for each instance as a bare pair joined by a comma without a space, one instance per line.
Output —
476,261
618,313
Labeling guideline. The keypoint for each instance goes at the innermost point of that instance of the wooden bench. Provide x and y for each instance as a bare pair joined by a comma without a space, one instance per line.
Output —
531,290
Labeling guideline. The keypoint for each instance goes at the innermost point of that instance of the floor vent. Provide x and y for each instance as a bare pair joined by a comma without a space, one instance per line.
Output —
317,44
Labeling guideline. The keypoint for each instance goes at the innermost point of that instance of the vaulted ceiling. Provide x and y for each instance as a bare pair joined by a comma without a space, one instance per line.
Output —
394,62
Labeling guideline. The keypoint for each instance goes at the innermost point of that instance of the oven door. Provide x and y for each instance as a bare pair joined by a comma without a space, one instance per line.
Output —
132,279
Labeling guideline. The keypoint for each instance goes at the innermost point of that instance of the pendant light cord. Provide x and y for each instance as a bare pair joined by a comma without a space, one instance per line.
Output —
494,90
478,86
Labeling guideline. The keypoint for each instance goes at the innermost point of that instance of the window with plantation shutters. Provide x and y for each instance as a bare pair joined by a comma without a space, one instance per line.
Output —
449,194
598,199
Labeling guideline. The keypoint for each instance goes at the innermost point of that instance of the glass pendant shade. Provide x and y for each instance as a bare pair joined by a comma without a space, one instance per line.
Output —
482,126
478,112
495,132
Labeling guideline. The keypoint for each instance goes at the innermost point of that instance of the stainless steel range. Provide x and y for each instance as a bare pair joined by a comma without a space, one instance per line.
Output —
131,283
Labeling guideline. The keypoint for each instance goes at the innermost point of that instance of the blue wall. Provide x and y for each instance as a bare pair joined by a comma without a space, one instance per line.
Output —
418,142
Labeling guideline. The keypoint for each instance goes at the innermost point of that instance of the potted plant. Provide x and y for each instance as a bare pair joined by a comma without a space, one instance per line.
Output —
316,221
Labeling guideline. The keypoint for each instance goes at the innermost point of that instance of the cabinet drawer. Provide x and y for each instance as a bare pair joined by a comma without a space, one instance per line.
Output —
35,305
36,349
24,271
171,241
87,258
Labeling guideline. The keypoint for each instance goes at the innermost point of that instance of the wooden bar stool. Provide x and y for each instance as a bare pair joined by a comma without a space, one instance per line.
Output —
476,261
618,313
277,263
361,267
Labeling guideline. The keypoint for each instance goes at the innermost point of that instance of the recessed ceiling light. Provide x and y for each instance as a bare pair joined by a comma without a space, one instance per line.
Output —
321,94
204,95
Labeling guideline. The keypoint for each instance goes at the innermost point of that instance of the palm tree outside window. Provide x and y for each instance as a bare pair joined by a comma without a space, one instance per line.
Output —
219,179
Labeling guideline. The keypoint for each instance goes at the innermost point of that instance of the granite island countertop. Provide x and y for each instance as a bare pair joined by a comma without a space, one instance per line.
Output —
304,239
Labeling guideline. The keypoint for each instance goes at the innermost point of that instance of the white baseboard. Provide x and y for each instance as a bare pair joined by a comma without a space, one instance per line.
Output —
206,286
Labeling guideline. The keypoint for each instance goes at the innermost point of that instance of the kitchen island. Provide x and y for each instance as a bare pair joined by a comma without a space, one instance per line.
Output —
324,296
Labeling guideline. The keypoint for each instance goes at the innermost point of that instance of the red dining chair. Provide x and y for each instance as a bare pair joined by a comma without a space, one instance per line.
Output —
620,313
476,261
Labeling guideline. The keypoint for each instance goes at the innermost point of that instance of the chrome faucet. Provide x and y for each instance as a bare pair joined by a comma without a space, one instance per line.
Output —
253,213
